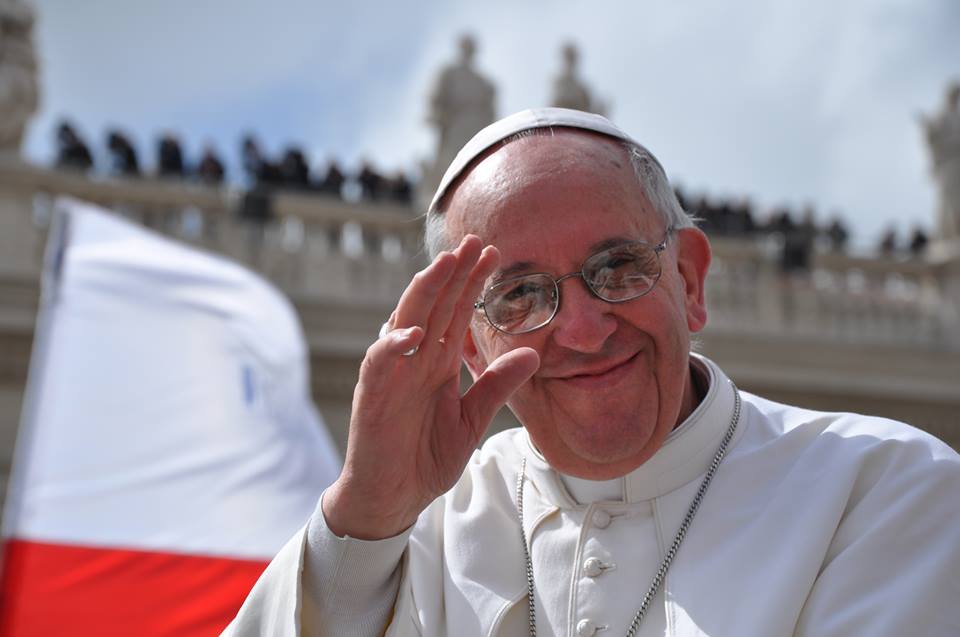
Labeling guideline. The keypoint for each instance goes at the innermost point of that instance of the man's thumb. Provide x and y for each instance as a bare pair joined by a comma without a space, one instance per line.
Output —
496,384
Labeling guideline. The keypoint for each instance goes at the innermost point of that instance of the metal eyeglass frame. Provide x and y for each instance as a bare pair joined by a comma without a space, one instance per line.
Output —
657,249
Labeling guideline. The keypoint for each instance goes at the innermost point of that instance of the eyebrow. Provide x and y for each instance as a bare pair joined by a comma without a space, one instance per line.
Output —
519,267
514,269
612,242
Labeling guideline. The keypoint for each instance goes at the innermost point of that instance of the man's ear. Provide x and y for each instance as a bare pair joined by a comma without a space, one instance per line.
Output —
474,359
693,261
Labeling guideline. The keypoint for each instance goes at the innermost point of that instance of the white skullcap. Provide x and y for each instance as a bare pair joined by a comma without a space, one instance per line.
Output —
524,120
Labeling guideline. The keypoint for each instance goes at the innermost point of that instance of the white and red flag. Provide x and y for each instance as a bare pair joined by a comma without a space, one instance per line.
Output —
168,445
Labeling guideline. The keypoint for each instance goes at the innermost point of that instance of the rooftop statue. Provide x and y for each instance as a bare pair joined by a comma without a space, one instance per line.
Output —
461,103
569,91
943,139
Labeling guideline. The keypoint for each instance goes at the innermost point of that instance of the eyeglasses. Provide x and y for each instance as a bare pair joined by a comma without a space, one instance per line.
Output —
527,303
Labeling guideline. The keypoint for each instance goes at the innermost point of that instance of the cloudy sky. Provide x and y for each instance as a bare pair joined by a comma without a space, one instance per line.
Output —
785,102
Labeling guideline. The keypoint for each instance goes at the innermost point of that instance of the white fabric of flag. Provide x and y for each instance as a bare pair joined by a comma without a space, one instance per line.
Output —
168,405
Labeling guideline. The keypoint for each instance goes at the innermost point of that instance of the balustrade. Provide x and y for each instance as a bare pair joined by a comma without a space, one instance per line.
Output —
841,298
321,249
312,246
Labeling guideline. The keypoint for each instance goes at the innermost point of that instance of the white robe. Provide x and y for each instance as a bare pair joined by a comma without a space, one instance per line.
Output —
816,524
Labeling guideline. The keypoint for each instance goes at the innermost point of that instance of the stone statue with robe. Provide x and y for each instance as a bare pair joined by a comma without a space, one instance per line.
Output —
943,139
569,91
19,94
461,103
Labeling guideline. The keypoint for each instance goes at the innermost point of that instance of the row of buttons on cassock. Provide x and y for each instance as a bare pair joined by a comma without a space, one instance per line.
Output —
594,567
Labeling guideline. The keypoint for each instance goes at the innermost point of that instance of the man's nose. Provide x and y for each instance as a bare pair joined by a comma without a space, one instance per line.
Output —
583,322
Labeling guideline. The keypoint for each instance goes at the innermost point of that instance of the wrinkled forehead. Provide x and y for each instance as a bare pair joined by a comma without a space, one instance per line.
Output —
563,189
486,141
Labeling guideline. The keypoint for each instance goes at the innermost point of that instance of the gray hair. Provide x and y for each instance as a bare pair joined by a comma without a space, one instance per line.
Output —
653,180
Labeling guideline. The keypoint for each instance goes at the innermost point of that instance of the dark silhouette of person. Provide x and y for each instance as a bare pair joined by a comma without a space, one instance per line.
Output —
123,154
262,172
332,182
888,242
706,212
72,152
838,235
401,190
294,170
918,242
794,256
210,169
742,223
780,221
170,157
265,176
371,182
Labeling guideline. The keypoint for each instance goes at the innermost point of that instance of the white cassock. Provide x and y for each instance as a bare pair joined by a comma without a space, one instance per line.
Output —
816,524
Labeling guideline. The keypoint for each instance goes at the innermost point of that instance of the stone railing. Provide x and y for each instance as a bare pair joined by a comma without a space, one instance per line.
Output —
312,246
360,255
842,298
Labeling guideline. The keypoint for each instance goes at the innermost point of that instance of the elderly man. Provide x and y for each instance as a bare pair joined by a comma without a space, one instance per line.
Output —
644,495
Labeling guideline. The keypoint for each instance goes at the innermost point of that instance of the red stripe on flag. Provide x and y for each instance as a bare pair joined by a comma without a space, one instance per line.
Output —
52,589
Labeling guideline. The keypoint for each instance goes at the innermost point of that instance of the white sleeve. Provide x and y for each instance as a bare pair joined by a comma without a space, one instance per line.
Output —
350,586
892,568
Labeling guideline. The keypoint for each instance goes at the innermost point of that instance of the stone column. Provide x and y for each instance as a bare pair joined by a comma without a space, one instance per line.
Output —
20,239
19,97
947,266
943,142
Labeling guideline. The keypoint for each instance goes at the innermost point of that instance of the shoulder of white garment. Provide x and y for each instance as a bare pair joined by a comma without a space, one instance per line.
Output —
887,494
857,434
869,463
858,513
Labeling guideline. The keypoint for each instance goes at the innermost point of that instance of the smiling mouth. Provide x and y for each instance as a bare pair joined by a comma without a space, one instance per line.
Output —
602,376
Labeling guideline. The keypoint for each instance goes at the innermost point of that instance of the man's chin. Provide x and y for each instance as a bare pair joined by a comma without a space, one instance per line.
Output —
602,457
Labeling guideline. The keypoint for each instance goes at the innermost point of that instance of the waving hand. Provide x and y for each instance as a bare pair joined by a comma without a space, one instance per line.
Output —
411,432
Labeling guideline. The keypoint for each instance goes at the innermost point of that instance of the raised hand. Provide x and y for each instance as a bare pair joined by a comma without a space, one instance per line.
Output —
411,432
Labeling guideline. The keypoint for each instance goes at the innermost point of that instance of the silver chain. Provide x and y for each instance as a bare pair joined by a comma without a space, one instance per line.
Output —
531,609
671,552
